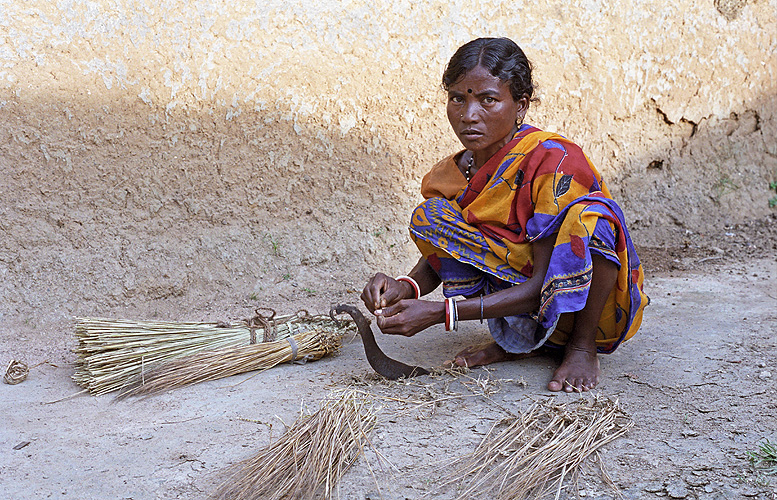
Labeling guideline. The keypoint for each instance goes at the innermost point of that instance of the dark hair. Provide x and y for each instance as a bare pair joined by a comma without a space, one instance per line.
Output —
502,57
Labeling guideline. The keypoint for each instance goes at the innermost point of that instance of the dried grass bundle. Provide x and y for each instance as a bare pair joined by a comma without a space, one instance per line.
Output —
536,451
213,365
112,351
310,457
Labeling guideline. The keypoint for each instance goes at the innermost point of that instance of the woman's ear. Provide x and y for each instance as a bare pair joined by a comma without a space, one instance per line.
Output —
523,107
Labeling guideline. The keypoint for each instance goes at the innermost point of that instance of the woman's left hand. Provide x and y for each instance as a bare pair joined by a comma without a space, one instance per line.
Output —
408,317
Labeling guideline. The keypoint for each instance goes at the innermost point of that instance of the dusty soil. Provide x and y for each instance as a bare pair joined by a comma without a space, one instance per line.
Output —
698,382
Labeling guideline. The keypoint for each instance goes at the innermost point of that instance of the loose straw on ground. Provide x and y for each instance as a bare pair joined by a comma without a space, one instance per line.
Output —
113,351
16,373
537,450
310,458
212,365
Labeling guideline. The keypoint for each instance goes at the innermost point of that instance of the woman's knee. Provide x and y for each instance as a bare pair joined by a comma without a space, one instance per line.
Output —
435,212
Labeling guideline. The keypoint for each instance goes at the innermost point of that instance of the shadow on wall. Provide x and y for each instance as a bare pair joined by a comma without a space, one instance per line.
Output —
705,176
111,206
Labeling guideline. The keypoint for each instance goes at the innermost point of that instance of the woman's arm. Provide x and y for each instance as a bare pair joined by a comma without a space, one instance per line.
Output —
519,299
408,317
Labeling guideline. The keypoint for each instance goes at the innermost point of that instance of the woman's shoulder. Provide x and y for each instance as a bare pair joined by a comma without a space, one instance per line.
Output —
444,179
549,140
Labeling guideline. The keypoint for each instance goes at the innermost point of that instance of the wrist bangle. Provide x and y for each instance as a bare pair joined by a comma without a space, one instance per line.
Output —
413,283
481,309
455,314
451,315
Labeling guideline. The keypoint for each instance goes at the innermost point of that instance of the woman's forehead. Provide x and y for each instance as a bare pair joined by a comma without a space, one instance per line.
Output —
478,80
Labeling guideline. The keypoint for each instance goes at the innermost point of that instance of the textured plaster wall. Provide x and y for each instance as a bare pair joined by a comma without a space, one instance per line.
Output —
195,151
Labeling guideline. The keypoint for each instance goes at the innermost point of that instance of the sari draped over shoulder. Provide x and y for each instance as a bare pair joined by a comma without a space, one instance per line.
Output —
478,236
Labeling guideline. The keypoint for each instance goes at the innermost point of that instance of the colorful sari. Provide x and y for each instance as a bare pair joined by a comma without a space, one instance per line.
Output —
478,237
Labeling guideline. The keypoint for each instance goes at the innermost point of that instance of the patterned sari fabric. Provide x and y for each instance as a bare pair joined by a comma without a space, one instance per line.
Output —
478,237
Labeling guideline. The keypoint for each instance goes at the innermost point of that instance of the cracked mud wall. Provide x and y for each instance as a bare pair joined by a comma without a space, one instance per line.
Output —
189,153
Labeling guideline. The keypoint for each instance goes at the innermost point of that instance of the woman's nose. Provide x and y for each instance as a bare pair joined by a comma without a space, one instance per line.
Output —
470,113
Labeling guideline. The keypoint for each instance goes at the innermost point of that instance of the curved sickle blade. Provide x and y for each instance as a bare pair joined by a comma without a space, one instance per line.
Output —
389,368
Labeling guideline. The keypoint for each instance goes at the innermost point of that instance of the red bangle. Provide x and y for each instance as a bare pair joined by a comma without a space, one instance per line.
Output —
451,315
413,283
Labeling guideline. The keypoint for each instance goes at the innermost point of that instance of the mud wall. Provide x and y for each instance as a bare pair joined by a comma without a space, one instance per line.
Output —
190,152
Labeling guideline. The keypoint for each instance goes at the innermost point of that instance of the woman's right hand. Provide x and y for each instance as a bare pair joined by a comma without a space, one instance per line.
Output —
383,291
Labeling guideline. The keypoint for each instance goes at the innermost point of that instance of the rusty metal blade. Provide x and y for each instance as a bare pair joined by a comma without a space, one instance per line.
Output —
382,364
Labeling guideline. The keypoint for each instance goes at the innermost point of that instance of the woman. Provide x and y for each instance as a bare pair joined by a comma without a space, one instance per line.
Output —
521,225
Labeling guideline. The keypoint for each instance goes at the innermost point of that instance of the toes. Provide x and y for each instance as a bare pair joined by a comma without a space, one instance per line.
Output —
556,385
576,385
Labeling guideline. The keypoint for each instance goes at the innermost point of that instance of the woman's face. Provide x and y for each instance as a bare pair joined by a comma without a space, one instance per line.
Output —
482,112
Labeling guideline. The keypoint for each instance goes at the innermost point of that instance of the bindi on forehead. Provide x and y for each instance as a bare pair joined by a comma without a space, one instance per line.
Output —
469,91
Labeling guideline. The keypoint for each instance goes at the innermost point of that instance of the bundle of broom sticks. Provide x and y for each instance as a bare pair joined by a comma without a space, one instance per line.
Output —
213,365
114,352
310,458
536,451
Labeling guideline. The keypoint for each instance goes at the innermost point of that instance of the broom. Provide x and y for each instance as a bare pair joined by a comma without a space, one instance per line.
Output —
213,365
310,457
536,451
111,352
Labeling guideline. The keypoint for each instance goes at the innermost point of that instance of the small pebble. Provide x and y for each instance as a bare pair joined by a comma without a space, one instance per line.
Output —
654,487
764,375
696,481
676,489
749,491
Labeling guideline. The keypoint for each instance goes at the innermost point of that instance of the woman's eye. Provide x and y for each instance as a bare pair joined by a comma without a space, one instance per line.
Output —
457,99
489,100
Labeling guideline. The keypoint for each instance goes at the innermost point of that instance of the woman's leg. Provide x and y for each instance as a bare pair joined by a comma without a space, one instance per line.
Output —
579,370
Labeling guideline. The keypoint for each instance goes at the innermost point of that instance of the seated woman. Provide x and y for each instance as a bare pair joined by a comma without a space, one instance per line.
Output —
519,224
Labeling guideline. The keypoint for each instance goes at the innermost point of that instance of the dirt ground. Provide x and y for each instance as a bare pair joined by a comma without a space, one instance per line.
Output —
698,381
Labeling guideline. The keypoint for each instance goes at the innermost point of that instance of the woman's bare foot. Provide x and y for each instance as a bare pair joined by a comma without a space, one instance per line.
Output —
485,354
579,371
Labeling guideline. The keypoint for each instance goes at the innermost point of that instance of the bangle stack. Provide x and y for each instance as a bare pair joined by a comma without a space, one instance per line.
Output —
413,283
451,315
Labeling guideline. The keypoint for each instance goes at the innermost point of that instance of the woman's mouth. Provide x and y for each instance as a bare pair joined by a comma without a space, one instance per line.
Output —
471,134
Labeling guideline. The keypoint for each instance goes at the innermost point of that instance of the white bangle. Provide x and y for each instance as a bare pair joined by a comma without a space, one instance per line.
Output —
413,283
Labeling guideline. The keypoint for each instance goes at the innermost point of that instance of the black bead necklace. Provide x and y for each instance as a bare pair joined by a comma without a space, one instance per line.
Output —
468,173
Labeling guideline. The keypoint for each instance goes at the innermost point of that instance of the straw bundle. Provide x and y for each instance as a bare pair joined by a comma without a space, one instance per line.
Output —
213,365
113,351
533,454
310,457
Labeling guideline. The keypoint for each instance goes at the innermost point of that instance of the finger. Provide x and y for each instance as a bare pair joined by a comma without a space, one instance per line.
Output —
381,286
391,295
372,292
391,310
367,301
387,325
